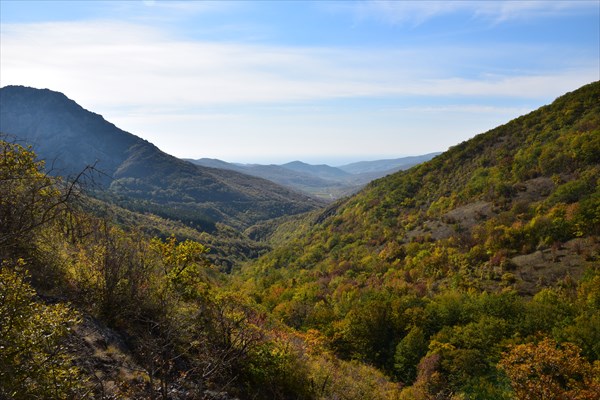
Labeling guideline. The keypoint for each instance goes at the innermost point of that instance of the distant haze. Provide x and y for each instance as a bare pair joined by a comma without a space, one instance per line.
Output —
332,160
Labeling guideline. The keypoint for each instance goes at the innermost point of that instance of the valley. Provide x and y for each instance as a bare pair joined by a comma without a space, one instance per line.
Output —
442,276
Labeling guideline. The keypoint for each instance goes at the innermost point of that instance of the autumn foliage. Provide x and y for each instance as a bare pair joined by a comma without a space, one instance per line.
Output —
472,276
549,371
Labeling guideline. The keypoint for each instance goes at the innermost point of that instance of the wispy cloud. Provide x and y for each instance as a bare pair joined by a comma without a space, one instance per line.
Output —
114,62
463,109
500,11
209,94
418,12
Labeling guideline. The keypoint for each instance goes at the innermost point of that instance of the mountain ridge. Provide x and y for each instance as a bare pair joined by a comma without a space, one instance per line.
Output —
322,181
387,165
71,138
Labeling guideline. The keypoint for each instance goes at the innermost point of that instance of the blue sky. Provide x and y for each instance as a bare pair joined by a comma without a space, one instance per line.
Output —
324,82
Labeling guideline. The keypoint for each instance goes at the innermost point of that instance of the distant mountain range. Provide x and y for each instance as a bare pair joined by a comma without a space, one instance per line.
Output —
322,181
135,172
386,166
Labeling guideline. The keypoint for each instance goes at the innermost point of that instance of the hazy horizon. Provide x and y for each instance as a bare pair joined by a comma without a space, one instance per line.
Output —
332,161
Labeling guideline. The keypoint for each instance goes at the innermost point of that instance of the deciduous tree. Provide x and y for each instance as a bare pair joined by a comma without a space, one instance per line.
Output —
549,371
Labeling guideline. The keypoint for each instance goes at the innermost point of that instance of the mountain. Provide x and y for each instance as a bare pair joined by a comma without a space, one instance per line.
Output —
430,274
215,163
386,166
475,275
276,173
321,181
303,181
62,132
98,306
322,171
142,177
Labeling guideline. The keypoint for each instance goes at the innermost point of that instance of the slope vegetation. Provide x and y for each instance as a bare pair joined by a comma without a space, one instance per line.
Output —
91,310
430,274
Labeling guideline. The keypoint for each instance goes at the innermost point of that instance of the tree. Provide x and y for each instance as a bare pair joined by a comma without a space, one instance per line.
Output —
548,371
409,352
34,362
29,198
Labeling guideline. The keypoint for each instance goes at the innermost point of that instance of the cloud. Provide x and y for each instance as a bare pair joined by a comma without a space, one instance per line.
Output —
116,63
417,12
462,109
500,11
540,86
146,65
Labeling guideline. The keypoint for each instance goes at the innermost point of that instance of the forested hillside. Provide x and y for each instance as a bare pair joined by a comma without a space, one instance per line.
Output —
91,310
475,275
137,174
139,185
434,274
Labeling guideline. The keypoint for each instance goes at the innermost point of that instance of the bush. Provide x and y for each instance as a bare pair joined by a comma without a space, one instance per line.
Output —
34,362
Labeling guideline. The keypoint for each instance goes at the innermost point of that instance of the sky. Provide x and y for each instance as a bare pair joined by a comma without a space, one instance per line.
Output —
324,82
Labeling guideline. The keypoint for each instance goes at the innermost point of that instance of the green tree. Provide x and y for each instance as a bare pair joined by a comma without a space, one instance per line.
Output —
34,361
29,199
409,352
181,264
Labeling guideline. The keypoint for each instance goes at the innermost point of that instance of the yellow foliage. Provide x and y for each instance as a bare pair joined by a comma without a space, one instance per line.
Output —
34,362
